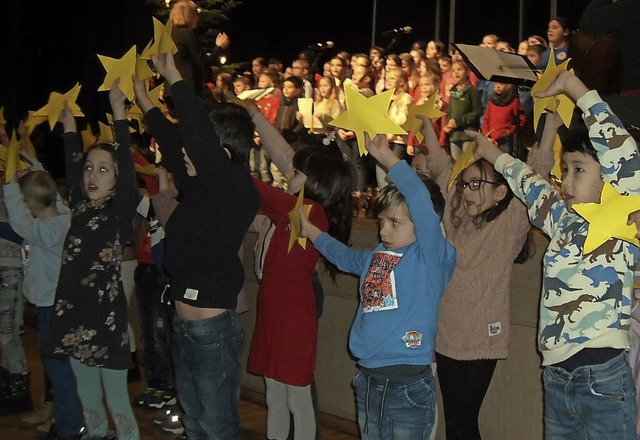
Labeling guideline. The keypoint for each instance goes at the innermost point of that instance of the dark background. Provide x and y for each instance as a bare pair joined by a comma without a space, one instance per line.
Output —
50,45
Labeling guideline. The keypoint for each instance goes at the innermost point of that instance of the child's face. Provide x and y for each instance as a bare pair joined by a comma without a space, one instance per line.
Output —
326,69
459,74
456,56
533,56
336,68
256,67
556,33
500,88
392,81
374,54
396,228
289,90
99,177
478,195
581,179
522,47
432,50
427,88
488,42
324,87
264,81
444,65
239,87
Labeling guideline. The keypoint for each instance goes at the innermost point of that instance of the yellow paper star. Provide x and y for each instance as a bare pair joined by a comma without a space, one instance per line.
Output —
162,41
123,68
88,138
367,114
143,71
608,219
294,219
55,105
4,155
560,103
557,158
32,122
427,109
135,112
106,134
154,96
463,161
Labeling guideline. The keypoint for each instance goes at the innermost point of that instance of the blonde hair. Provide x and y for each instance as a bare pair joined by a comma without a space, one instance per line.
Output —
184,14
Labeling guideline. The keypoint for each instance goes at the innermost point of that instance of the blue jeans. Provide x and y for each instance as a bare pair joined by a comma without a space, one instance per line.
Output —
592,402
13,357
67,409
206,356
395,408
155,325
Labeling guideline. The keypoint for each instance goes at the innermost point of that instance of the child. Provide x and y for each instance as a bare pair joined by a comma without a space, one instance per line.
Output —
207,155
401,282
284,343
89,324
558,36
586,299
287,123
485,223
465,109
503,116
34,214
240,84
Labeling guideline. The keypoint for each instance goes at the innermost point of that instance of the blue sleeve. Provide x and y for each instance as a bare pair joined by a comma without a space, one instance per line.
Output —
346,259
8,233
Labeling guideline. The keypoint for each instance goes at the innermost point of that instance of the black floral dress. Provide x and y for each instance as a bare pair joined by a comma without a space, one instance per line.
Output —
90,309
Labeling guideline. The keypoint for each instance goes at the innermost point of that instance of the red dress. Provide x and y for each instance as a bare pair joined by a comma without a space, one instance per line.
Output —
286,332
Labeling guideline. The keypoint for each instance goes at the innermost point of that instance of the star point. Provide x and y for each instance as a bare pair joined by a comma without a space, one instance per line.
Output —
463,162
122,68
55,105
294,219
560,103
428,109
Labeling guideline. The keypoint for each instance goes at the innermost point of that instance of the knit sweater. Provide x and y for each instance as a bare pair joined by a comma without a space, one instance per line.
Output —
586,299
474,311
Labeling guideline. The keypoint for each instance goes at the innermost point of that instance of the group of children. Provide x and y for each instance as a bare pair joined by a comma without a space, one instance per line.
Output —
431,262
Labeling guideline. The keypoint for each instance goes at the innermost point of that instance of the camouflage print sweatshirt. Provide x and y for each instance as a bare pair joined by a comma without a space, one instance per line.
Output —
586,299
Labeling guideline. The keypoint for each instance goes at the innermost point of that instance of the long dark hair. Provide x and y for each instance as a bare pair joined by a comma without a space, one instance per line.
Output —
328,182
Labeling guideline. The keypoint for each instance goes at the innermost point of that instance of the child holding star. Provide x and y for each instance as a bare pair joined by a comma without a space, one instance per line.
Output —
586,299
401,282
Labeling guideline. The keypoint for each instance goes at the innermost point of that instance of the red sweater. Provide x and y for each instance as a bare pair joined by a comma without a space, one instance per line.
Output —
502,120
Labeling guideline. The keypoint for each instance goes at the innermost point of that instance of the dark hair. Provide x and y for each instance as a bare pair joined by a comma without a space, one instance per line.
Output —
391,197
235,130
329,181
575,139
40,187
227,80
487,172
296,81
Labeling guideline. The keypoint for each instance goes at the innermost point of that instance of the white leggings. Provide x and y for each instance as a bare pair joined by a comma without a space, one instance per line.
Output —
283,399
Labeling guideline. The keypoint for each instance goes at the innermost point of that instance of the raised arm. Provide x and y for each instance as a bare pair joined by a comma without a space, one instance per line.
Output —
73,156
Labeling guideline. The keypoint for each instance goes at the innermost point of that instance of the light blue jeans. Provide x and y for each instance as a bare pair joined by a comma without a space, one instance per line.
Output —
206,358
13,358
592,402
395,408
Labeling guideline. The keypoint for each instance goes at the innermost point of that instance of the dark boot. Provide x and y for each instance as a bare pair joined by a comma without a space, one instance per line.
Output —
17,396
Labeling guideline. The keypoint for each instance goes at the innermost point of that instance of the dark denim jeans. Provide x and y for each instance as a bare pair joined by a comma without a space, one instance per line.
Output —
395,409
592,402
67,409
155,326
206,355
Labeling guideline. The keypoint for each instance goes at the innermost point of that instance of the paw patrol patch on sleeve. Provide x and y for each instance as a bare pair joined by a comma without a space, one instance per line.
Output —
412,339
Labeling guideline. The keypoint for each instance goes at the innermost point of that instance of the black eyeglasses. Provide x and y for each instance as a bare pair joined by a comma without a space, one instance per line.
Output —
473,185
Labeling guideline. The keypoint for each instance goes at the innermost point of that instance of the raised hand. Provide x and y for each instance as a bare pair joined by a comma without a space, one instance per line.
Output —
566,82
67,119
485,149
307,229
165,65
378,147
223,41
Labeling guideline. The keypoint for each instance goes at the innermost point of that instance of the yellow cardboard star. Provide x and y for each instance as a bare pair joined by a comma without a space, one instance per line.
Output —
51,111
608,219
143,71
162,41
123,68
557,158
32,122
154,96
367,114
106,134
135,112
4,155
427,109
88,138
294,219
463,161
560,103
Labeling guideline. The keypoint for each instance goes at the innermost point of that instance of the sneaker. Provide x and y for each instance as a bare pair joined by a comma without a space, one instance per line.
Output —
170,422
42,414
141,399
155,398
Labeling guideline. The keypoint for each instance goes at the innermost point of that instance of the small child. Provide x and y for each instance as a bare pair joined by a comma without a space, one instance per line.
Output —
503,116
401,282
35,216
240,84
585,307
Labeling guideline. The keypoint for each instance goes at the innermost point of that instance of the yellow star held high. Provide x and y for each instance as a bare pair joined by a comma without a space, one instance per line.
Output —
162,41
54,106
463,162
367,114
88,138
560,103
121,68
608,219
294,219
106,134
427,109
